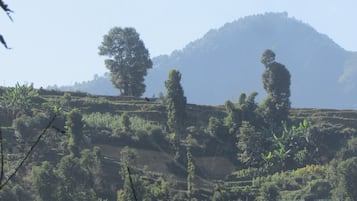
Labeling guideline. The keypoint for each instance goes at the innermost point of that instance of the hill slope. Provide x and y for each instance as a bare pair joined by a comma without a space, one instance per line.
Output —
213,150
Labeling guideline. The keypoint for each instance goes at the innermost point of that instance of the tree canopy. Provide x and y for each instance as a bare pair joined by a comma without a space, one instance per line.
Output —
128,60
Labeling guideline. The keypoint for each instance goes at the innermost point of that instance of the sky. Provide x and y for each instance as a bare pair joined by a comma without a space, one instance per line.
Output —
56,42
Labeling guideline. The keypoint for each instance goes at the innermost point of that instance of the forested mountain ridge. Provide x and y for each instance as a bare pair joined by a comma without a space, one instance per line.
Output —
225,62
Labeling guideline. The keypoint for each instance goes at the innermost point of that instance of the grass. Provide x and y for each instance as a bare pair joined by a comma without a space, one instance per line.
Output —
113,121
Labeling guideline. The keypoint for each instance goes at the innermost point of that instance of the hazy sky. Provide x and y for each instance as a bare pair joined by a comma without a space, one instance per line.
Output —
56,42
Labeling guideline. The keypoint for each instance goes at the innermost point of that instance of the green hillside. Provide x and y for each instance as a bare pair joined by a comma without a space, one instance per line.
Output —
92,159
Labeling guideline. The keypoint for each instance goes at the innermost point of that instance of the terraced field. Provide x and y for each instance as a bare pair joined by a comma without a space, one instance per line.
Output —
214,171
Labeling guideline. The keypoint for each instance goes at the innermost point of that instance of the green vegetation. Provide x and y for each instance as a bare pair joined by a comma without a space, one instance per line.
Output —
128,60
127,148
18,100
176,103
74,126
176,108
276,82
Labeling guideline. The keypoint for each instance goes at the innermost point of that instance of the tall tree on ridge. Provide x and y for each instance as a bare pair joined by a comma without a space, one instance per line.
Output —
176,103
276,82
128,60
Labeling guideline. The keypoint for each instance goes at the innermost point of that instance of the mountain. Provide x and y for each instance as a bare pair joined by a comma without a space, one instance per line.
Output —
226,62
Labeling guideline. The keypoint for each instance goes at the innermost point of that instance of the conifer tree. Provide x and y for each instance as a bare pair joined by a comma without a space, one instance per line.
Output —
74,126
176,103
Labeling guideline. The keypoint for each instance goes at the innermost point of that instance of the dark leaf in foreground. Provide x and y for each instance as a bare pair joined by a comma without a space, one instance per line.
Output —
2,40
6,8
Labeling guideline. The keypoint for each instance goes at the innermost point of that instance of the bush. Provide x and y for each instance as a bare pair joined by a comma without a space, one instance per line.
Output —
26,127
269,192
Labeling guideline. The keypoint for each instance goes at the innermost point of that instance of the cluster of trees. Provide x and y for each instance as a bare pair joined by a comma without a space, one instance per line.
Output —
263,136
77,176
78,173
268,140
73,178
248,126
254,127
71,168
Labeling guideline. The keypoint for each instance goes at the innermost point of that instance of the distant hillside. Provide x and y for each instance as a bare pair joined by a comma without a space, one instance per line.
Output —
100,85
226,62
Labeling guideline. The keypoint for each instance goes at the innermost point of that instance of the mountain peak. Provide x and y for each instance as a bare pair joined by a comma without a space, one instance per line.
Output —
225,62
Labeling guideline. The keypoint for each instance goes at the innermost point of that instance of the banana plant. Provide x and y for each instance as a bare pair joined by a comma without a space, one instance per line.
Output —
281,152
18,99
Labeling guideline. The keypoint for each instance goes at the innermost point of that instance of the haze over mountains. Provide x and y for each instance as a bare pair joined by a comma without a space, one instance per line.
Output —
226,62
